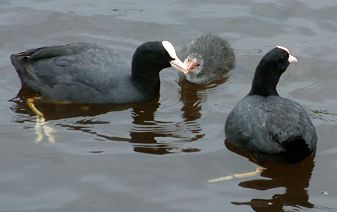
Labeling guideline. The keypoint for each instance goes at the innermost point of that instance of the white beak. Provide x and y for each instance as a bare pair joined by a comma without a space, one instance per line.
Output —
180,66
292,59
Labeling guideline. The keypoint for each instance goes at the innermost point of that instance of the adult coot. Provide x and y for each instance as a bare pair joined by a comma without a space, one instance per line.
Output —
88,73
208,58
267,124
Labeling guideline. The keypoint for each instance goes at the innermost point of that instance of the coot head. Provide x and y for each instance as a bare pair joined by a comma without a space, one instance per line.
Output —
277,59
156,56
269,71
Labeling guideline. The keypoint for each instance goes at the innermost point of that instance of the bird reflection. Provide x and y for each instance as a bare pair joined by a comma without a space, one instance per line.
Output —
56,111
147,134
193,96
147,131
191,100
144,133
294,178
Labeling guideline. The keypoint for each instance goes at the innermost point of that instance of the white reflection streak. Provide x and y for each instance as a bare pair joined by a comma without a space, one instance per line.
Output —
43,130
241,175
41,125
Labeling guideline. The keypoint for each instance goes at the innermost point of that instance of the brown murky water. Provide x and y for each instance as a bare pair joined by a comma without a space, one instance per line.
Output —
159,155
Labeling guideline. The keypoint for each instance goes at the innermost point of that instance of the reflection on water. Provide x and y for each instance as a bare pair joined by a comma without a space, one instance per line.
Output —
294,178
148,133
43,131
193,96
55,111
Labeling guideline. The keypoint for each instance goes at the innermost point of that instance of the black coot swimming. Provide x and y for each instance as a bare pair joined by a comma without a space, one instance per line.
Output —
88,73
208,58
264,123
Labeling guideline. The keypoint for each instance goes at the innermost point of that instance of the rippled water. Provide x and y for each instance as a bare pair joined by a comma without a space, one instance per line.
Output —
161,154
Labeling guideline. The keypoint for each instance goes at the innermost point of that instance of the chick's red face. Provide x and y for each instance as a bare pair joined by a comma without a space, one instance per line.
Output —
191,63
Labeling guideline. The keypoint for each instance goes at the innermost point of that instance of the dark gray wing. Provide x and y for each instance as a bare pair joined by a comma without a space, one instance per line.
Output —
287,120
62,72
264,124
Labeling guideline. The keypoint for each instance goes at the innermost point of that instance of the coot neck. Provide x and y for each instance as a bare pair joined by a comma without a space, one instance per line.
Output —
265,81
146,77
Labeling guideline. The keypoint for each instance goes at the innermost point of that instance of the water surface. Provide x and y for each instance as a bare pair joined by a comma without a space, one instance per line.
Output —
159,155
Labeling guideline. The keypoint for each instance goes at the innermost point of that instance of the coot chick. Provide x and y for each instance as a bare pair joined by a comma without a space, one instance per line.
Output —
273,127
88,73
208,58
